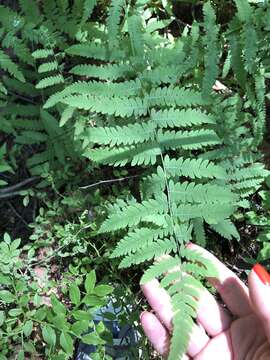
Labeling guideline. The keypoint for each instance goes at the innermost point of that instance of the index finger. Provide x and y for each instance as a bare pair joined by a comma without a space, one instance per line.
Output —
232,290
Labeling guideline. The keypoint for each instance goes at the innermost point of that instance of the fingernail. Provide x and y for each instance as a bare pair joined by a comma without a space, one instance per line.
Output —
262,273
141,315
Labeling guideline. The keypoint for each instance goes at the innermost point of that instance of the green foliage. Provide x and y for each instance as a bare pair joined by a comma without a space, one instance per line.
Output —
30,316
86,84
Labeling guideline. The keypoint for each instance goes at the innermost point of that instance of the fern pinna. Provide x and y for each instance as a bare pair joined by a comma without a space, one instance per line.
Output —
140,104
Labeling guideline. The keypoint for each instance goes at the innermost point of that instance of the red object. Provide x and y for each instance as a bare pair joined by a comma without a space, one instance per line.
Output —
263,275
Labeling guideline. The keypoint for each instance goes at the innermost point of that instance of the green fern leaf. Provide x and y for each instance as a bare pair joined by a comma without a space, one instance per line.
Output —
244,10
180,118
8,65
188,140
160,268
50,81
163,74
211,52
95,51
199,231
47,67
113,21
88,8
226,229
212,213
123,107
104,72
126,135
31,137
95,88
134,23
66,115
193,168
42,53
237,59
135,241
133,214
190,192
172,96
3,90
153,250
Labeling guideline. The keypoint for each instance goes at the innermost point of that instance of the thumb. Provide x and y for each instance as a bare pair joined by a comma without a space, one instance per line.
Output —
259,292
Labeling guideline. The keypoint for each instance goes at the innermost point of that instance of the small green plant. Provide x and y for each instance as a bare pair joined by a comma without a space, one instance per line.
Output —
40,317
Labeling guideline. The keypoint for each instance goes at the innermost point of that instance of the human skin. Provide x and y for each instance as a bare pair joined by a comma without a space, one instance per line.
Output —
240,332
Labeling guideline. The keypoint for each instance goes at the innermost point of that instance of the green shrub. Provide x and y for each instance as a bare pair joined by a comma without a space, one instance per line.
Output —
32,318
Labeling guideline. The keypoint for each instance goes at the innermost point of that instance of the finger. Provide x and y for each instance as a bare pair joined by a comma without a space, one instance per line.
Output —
211,315
156,333
232,290
259,290
219,347
160,302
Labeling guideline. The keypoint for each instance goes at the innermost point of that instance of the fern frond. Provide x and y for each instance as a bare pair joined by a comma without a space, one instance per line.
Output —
163,74
31,137
146,153
126,135
153,250
193,168
19,87
160,268
30,9
123,107
50,81
133,214
136,155
244,10
180,118
22,110
190,192
172,96
42,53
250,48
66,115
88,8
26,124
113,21
95,88
19,48
9,17
134,241
211,52
153,184
134,23
250,183
226,229
95,51
104,72
259,124
47,67
8,65
39,158
212,213
188,140
199,231
237,59
3,90
254,171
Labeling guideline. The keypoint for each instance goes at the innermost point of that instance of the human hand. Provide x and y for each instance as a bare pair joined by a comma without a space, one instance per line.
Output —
243,333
